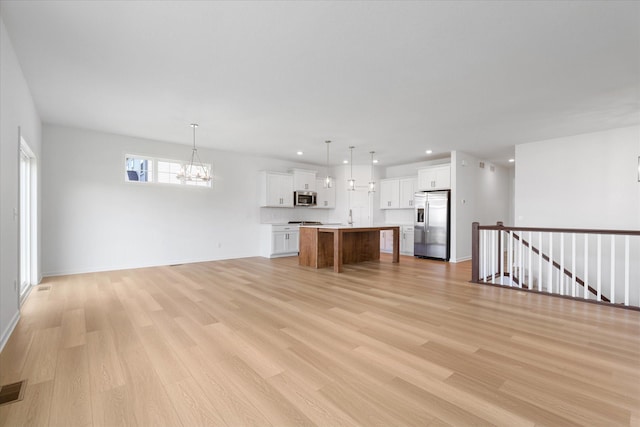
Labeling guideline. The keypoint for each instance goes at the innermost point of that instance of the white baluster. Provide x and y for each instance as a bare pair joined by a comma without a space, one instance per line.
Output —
612,294
520,272
626,270
599,268
501,257
540,261
550,268
586,267
510,258
530,255
483,235
493,256
561,281
573,265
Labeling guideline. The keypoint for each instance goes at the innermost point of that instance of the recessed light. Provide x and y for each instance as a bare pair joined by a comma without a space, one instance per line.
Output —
375,160
429,151
512,160
299,153
345,161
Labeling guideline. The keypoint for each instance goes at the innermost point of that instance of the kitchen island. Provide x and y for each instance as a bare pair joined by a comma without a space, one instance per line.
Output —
326,245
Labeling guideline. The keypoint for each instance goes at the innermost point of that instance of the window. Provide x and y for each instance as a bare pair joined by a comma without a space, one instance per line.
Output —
139,169
168,172
162,171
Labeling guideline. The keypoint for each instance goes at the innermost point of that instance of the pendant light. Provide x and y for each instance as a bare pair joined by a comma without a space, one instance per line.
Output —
328,181
194,170
372,183
351,183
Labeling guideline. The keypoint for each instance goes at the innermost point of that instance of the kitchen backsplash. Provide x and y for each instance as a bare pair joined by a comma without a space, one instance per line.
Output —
284,215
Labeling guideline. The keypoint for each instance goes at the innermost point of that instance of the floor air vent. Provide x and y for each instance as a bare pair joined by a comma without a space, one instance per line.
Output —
10,393
43,288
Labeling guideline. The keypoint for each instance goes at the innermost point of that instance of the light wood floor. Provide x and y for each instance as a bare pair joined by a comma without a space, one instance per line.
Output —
266,342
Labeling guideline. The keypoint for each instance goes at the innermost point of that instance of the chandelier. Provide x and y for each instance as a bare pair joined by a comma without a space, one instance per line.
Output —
351,183
328,181
372,183
194,170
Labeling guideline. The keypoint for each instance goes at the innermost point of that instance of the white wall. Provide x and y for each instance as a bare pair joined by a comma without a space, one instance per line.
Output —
582,181
478,195
17,110
93,220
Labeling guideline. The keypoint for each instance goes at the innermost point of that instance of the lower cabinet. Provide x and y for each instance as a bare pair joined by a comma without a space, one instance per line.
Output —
386,241
406,240
279,240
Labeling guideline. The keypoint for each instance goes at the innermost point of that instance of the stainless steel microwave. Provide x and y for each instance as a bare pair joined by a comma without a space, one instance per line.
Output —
305,198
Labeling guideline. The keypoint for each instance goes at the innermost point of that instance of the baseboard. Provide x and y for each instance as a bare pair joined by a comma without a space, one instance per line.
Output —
466,258
26,294
7,332
133,267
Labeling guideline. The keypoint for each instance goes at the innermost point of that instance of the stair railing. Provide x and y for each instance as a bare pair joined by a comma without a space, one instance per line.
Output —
594,265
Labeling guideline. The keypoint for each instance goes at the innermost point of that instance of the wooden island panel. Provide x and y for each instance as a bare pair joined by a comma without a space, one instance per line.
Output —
334,246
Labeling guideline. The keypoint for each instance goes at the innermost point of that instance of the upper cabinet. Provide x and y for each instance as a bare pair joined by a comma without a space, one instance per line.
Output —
304,180
389,193
397,193
276,189
326,196
434,178
407,190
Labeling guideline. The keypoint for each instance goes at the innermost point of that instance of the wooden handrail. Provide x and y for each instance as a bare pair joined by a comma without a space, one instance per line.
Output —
560,230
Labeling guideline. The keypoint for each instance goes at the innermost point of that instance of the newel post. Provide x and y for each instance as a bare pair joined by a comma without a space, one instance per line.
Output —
500,254
475,252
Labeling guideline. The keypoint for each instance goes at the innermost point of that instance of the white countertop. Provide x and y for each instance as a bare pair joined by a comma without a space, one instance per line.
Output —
348,227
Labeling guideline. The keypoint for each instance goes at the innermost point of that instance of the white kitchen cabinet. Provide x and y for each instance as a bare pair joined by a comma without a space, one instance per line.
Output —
406,239
279,240
326,196
276,189
435,178
397,193
304,180
386,241
407,189
389,193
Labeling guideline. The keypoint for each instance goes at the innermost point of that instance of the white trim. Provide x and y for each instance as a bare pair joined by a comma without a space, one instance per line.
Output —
6,334
133,267
462,259
26,294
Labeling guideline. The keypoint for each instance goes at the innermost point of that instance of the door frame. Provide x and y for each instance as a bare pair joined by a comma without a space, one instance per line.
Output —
31,218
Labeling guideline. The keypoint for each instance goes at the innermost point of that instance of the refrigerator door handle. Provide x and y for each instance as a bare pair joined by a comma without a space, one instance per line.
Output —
426,221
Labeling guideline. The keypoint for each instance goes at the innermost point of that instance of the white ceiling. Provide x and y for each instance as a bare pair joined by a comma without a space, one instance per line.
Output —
276,77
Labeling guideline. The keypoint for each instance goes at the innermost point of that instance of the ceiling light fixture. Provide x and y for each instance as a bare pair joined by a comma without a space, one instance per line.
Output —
512,160
195,170
346,162
429,151
299,153
328,181
351,183
372,183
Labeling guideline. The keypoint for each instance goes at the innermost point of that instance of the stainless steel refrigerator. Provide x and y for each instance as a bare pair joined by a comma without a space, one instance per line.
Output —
432,224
